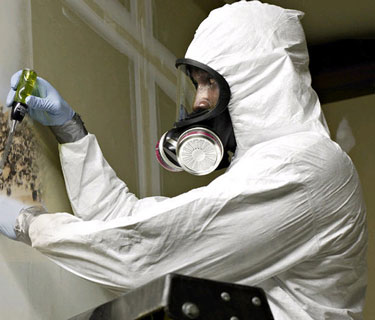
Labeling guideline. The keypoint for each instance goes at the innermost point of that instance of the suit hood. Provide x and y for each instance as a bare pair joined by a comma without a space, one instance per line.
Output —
261,51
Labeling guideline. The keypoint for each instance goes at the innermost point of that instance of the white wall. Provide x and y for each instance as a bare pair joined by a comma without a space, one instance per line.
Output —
32,287
15,39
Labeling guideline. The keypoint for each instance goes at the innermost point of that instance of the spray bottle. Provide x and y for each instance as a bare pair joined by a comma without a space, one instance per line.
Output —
25,87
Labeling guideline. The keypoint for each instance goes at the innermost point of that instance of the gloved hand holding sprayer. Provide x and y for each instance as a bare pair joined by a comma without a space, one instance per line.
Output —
41,101
44,102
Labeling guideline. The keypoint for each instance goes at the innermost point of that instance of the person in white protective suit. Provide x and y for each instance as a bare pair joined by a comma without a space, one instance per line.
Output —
287,215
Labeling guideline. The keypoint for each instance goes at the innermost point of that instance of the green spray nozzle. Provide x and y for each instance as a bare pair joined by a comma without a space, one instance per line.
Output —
25,87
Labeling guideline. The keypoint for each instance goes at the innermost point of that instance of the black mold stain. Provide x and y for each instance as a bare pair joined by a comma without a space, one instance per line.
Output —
21,168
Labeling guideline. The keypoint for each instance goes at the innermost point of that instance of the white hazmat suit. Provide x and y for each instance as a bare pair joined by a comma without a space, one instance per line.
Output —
287,215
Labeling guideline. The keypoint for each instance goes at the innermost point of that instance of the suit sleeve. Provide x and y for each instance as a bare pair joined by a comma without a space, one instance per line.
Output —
258,227
94,190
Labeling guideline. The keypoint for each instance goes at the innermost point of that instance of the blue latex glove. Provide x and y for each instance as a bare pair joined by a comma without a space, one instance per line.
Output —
10,210
45,105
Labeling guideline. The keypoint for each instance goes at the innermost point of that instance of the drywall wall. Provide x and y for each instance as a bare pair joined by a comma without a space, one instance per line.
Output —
31,286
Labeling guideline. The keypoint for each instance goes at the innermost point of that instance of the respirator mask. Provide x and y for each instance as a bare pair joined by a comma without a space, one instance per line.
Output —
202,138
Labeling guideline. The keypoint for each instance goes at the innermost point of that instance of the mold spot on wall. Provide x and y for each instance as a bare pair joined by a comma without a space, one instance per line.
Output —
20,177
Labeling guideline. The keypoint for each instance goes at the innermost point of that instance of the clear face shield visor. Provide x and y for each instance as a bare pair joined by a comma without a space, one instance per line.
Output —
198,92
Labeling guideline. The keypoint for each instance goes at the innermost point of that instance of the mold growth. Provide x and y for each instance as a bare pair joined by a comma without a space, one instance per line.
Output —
20,178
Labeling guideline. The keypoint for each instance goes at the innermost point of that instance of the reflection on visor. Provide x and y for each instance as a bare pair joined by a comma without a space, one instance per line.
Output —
182,112
198,92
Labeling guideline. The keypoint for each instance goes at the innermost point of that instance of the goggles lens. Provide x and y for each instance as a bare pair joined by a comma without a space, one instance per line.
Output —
198,92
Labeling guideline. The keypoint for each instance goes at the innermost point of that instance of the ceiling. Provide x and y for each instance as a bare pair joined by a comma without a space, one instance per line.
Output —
325,21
